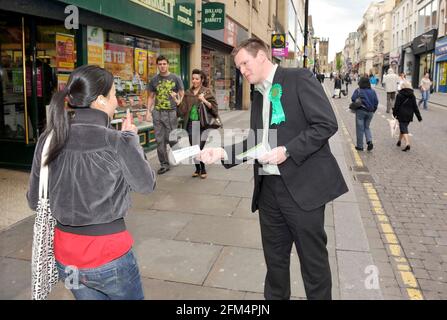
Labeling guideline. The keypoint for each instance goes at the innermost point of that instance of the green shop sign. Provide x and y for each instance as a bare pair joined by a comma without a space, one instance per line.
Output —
213,16
182,13
174,18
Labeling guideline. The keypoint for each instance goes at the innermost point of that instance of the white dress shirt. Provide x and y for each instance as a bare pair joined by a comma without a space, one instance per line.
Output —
264,89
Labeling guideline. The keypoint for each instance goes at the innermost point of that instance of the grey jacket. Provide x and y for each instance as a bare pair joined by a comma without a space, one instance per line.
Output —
91,179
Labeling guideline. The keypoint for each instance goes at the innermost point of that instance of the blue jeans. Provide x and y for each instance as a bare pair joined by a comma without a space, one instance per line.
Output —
116,280
362,120
425,97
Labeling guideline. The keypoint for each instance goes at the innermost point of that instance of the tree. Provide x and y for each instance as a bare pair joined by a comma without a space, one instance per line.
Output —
339,63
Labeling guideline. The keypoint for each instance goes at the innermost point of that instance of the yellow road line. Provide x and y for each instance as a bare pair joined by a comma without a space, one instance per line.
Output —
392,242
415,294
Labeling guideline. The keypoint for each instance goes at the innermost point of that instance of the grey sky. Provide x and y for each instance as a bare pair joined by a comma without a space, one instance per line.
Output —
335,19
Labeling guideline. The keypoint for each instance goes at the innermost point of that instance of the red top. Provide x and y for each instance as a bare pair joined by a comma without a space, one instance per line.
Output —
90,251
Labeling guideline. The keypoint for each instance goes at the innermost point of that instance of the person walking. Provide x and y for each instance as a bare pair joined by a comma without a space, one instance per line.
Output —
373,80
365,113
347,83
296,177
425,86
92,170
404,110
161,89
390,80
337,86
199,95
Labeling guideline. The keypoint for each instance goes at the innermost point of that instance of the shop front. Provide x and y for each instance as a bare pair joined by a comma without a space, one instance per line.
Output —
441,65
38,54
407,62
225,79
394,61
423,48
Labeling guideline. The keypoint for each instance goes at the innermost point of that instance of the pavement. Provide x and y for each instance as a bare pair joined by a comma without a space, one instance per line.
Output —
197,239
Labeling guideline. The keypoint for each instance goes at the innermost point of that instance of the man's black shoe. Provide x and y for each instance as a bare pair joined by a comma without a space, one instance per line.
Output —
162,170
359,149
370,146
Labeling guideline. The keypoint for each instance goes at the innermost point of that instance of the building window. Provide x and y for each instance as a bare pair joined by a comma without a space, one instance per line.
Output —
434,14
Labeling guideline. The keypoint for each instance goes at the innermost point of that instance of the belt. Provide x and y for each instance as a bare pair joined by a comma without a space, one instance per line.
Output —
165,110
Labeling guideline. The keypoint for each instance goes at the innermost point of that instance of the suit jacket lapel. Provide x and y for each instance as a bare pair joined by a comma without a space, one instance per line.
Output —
258,104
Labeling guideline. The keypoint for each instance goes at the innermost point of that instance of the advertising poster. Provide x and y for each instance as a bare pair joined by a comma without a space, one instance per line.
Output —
118,59
17,80
141,63
95,40
64,52
62,80
152,63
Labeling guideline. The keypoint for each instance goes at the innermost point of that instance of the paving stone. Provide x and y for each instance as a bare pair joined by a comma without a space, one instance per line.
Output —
244,269
13,188
16,236
157,224
352,266
349,232
216,230
192,185
243,210
420,273
198,203
438,275
239,189
175,260
15,279
167,290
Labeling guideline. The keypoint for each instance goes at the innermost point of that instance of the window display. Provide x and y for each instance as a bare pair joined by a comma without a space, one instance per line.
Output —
132,61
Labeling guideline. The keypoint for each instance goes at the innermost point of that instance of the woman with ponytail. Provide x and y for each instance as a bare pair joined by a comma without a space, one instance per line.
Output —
92,169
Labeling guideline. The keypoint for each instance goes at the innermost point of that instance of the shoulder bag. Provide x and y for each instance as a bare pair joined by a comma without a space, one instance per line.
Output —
44,274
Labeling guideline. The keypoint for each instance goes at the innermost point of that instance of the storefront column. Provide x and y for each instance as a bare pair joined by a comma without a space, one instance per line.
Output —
195,50
246,101
81,45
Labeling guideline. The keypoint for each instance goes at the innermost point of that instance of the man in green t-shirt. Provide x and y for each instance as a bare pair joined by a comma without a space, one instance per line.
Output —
161,103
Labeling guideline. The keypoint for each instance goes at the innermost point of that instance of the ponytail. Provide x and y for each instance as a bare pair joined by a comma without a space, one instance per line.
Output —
58,123
84,85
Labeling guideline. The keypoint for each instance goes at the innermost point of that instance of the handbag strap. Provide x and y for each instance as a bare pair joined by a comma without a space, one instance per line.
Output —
43,180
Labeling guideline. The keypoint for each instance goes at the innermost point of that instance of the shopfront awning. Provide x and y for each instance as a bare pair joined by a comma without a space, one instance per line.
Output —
441,58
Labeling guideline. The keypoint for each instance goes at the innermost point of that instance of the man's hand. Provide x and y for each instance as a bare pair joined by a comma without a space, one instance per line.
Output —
275,156
211,155
128,124
176,97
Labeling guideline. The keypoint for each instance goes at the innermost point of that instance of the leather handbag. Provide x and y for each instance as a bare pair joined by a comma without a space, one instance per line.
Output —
44,274
208,120
356,104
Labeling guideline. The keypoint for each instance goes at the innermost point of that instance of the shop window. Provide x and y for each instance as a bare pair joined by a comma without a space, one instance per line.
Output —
222,74
55,60
23,102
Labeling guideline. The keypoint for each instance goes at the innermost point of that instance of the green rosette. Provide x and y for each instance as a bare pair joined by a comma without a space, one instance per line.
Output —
275,94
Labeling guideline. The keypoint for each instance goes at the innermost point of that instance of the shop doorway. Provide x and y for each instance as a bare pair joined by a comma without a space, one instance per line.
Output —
37,57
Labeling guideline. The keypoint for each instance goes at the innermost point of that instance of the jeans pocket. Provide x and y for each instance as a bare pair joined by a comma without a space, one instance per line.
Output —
101,280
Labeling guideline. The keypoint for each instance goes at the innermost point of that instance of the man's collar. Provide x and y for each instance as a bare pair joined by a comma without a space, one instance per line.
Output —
267,82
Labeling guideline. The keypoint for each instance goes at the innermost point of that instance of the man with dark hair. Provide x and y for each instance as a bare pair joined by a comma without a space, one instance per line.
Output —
163,88
295,178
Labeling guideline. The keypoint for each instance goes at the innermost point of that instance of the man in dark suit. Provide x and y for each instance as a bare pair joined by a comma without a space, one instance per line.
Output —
296,176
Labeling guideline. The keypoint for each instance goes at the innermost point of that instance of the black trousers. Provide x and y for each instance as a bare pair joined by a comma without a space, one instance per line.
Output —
283,223
200,167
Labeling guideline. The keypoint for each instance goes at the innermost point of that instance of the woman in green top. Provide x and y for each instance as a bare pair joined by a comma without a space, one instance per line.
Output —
189,108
